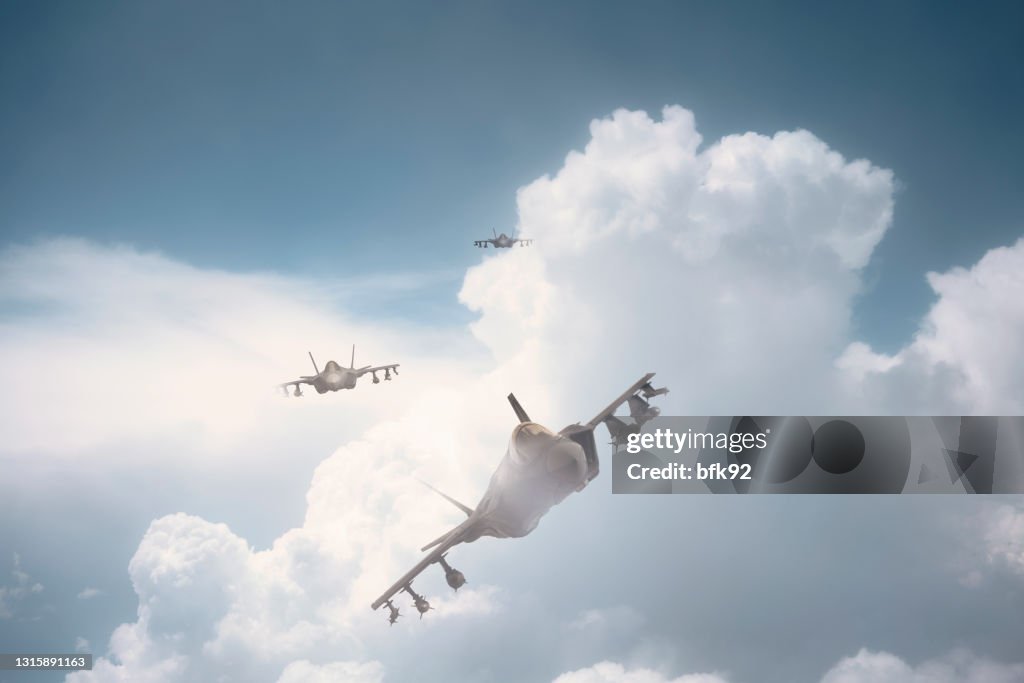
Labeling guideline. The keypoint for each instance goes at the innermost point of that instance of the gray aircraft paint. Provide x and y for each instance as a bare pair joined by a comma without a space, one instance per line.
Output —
335,377
539,470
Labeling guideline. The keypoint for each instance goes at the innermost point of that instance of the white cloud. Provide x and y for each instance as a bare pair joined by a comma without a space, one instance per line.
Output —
88,593
991,545
303,671
873,667
82,645
610,672
106,346
859,361
208,601
731,271
960,666
965,358
1002,536
482,601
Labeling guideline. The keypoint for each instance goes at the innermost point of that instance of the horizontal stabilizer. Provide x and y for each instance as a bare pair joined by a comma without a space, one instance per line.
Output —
465,508
437,541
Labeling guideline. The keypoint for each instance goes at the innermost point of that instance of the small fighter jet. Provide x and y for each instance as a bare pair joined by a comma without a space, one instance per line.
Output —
501,241
540,469
335,377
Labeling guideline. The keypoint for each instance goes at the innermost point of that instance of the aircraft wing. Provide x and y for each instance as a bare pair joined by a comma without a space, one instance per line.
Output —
295,383
363,371
584,434
444,544
482,243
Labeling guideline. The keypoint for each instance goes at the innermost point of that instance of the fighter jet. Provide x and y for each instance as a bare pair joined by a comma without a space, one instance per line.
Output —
335,377
501,241
539,470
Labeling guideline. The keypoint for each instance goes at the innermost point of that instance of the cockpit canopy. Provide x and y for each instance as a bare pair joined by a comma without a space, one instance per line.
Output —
531,441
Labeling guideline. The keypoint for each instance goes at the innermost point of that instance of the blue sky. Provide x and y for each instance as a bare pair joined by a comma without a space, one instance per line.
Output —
304,175
323,137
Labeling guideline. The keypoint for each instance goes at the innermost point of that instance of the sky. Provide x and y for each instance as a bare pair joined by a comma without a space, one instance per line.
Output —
780,209
291,136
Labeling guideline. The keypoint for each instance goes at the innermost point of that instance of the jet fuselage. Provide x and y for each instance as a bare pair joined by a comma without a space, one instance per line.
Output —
539,470
333,378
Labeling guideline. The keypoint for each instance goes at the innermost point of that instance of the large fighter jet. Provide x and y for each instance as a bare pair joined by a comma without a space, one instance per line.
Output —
539,470
335,377
501,241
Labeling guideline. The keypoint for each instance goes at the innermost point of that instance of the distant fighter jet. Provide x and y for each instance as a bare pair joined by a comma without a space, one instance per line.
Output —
539,470
501,241
335,377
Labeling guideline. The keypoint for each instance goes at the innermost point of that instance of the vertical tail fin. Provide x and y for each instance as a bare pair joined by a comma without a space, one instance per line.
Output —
352,363
465,508
314,362
520,413
495,233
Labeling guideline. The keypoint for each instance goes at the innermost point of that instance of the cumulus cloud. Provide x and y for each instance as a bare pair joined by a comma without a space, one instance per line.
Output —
208,601
485,600
960,666
965,357
730,269
1001,540
303,671
210,607
610,672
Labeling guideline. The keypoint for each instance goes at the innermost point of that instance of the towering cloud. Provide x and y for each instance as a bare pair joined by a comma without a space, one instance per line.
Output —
731,269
